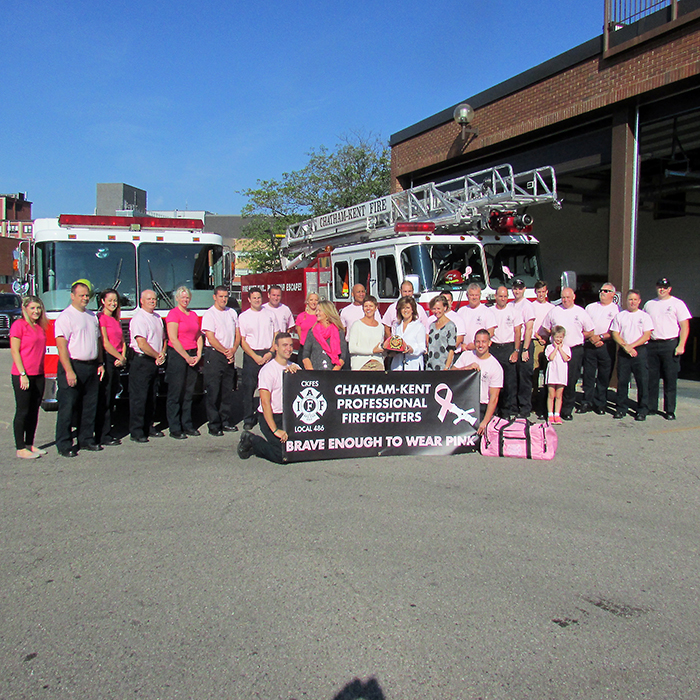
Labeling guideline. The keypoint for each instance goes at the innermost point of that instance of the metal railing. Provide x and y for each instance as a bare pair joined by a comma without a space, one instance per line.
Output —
621,13
628,11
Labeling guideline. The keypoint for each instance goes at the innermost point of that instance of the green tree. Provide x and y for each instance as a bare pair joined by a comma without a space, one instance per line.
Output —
357,170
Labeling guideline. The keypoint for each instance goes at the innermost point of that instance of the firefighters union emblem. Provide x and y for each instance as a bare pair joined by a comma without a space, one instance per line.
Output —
309,406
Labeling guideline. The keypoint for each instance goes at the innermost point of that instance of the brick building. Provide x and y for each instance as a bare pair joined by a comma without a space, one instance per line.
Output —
619,119
15,223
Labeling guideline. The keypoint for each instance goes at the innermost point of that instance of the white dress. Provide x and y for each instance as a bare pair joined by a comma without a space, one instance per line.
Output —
413,335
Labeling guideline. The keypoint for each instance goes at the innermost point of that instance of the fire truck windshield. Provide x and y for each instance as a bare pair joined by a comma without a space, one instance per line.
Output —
105,264
167,266
509,261
454,266
443,266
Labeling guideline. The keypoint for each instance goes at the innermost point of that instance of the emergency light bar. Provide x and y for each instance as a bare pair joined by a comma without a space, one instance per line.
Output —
128,221
414,226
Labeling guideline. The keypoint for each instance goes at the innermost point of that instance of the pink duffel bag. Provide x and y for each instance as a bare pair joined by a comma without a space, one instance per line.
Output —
519,438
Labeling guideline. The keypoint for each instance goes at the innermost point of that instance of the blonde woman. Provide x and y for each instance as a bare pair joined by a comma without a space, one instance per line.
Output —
306,320
185,343
28,347
325,346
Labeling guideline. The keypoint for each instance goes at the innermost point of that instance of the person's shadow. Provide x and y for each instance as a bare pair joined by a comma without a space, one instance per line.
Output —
358,690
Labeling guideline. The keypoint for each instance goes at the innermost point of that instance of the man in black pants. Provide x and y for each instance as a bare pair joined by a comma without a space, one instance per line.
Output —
257,326
80,370
148,343
270,385
599,352
671,319
220,328
579,327
631,330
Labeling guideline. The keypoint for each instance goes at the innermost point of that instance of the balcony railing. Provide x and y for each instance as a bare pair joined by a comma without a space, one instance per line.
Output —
629,22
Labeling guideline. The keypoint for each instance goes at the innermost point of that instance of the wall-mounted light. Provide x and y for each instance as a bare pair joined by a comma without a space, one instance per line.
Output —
463,116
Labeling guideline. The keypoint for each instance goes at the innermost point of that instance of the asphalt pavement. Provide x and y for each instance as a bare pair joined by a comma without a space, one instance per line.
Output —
175,570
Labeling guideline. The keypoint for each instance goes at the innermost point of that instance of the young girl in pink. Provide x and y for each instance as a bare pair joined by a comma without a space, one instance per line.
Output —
558,355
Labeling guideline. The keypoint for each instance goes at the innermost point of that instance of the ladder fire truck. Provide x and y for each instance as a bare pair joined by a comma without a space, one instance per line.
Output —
446,236
129,254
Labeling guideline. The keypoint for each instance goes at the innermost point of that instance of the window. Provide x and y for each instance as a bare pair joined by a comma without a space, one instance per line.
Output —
105,264
444,266
387,279
341,281
361,273
511,261
166,266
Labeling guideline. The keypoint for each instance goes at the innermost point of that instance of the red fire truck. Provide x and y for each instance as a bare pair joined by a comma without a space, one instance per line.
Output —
126,253
445,236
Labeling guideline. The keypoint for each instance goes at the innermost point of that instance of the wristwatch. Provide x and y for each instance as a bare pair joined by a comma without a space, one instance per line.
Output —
22,374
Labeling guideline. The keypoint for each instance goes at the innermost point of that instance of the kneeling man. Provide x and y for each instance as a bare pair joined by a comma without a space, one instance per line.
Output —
270,384
481,360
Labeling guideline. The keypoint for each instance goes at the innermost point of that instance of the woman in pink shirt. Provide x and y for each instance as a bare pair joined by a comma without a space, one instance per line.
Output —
28,347
185,344
109,318
306,319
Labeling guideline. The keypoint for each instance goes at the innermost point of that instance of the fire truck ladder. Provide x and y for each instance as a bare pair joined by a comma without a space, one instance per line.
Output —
464,203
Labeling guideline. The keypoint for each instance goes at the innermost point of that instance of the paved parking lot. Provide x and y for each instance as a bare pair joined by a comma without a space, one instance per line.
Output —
175,570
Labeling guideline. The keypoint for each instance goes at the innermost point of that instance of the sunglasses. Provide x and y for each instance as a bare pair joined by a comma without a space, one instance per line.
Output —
607,291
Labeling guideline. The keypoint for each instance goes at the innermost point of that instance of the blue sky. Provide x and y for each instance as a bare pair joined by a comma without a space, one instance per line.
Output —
194,102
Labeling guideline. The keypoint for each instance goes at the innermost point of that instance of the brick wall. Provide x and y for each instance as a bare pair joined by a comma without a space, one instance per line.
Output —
591,85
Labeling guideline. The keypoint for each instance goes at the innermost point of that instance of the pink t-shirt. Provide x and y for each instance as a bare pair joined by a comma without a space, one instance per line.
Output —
541,311
148,326
32,346
602,316
507,320
114,330
271,378
526,310
258,328
575,320
81,331
490,373
632,325
305,322
283,314
667,315
474,320
188,327
222,324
